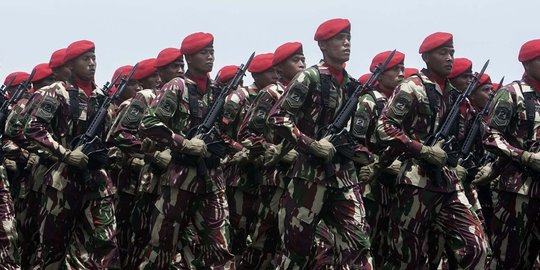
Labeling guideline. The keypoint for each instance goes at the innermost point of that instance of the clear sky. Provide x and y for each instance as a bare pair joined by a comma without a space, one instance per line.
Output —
126,32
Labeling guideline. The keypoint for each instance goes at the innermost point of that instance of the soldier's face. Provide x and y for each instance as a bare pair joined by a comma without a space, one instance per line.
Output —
84,66
44,82
172,70
480,96
392,77
462,81
440,60
62,73
202,61
291,66
132,87
338,48
532,68
151,82
265,78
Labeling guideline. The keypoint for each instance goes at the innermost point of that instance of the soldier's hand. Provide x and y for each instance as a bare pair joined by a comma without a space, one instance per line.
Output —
366,173
136,164
148,146
76,158
323,149
434,155
394,168
290,157
531,160
162,158
10,165
483,176
33,159
194,147
271,155
240,157
461,172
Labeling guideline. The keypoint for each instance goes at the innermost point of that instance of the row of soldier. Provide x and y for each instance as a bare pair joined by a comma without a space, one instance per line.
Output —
272,201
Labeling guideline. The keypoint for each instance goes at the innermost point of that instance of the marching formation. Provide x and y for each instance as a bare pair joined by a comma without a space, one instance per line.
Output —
306,168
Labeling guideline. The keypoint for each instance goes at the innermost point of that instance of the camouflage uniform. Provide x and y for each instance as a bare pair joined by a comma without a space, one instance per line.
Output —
377,194
9,245
516,231
186,196
411,115
242,179
311,196
91,236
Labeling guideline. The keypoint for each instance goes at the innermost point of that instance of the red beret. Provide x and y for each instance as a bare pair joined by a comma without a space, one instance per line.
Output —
57,58
529,50
122,71
21,77
331,28
495,86
364,78
196,42
410,71
485,79
42,71
261,62
167,56
285,51
78,48
226,73
436,40
461,65
145,68
398,58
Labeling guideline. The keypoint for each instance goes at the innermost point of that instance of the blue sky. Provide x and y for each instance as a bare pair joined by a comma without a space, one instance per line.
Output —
128,31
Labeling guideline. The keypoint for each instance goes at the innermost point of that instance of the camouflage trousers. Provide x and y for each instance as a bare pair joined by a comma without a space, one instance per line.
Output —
139,220
77,232
377,196
516,231
417,211
242,211
124,228
29,227
173,211
304,204
9,248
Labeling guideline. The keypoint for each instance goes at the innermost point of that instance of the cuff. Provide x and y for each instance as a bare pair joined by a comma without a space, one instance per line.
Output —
177,142
303,143
414,147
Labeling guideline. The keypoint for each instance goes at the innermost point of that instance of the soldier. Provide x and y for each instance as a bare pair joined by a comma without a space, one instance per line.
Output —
186,194
170,64
309,104
60,116
461,74
410,71
58,65
378,194
242,176
513,135
412,114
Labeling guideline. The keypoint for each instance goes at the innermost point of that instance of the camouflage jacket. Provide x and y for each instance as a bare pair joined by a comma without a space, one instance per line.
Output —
14,144
408,120
508,133
125,135
298,116
254,133
170,116
51,126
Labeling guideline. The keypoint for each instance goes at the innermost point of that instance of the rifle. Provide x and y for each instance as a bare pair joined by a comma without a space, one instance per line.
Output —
90,141
475,127
207,131
445,130
13,99
337,128
4,88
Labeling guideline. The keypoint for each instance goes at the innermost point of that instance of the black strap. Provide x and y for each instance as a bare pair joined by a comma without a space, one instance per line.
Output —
326,84
193,99
530,111
433,102
75,109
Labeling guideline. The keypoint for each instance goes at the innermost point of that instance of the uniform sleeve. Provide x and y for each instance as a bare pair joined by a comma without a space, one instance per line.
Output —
231,111
501,113
282,115
41,121
251,133
124,131
390,126
156,122
364,117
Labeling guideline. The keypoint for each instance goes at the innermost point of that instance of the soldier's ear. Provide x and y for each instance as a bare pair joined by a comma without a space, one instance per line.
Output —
188,58
322,45
526,66
425,57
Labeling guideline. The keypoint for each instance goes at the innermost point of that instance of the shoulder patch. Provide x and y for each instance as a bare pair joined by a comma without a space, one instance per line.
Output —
296,96
361,123
167,105
401,104
134,114
501,115
47,108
